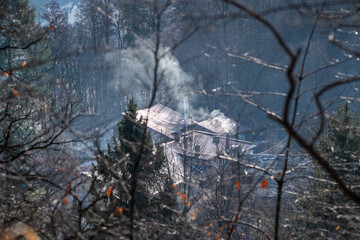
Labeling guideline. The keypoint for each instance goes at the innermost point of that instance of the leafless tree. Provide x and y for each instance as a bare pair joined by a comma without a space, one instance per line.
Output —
297,193
304,128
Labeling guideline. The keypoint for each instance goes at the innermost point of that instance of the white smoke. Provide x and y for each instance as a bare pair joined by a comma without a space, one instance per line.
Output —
216,113
203,114
133,75
186,121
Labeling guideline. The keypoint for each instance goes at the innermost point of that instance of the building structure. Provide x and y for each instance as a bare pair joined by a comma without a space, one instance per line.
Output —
223,126
166,124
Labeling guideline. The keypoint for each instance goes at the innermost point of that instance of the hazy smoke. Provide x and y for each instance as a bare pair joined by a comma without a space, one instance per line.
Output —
216,113
133,76
201,114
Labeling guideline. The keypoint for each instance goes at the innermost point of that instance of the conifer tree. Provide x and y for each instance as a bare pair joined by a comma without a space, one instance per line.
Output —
20,42
341,142
326,206
156,214
153,190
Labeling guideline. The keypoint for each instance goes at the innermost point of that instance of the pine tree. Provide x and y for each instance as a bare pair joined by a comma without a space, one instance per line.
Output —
23,110
130,132
21,76
156,215
23,54
341,142
154,184
326,205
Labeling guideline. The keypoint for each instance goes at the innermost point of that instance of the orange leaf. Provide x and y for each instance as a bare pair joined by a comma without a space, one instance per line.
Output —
264,183
243,234
222,216
193,218
7,74
238,185
24,64
337,228
174,186
15,93
109,191
183,197
120,210
51,28
68,188
65,201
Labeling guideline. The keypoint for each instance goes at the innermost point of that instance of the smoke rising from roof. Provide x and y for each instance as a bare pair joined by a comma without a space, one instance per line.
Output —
133,76
133,71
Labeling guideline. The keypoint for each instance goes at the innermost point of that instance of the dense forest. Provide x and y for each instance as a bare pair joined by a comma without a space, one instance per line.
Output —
179,119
